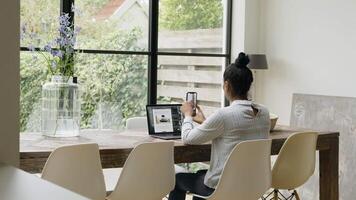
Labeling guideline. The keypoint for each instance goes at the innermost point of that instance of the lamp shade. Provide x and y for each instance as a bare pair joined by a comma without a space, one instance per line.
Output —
257,61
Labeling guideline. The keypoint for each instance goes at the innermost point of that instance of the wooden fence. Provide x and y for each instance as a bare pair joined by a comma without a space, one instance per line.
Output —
178,75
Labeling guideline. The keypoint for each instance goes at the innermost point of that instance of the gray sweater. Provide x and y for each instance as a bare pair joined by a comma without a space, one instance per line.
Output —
226,128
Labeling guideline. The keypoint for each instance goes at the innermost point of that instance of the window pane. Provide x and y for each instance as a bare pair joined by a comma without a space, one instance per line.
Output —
112,24
178,75
32,75
113,88
191,26
39,22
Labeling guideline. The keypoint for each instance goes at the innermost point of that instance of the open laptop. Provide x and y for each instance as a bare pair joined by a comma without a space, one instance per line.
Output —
164,121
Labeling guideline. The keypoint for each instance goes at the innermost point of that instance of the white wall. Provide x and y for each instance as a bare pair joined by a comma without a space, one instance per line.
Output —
238,28
9,81
311,48
245,27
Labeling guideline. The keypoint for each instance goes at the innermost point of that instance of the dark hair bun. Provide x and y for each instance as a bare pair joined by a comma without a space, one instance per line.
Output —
242,60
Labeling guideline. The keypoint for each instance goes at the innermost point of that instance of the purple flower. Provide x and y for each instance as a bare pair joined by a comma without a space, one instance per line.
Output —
64,20
57,53
47,48
62,29
60,41
64,43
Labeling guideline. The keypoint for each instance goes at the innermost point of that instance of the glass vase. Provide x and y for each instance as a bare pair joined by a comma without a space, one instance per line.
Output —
60,108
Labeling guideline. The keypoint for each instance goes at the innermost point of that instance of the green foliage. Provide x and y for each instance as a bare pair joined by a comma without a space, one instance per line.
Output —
190,14
112,86
33,75
119,81
41,18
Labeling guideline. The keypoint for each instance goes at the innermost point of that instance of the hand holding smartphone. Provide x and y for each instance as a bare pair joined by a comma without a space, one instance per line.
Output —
192,97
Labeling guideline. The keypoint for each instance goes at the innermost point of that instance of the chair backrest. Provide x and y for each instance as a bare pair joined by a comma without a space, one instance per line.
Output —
136,123
148,173
247,172
296,161
77,168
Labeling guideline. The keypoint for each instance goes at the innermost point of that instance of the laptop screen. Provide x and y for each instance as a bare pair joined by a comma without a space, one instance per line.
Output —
164,118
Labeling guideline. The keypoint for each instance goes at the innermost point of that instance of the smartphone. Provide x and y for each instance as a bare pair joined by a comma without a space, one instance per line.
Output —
192,97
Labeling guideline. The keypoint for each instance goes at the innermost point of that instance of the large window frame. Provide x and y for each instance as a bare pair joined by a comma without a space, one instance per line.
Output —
153,51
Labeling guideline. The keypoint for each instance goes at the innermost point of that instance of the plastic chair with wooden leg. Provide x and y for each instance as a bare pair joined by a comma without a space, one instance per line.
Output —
148,173
135,123
77,168
247,172
295,164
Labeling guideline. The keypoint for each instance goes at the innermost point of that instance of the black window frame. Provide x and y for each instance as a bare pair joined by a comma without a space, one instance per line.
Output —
153,53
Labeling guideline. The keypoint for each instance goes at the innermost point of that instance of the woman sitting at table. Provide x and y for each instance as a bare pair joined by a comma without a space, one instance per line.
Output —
242,120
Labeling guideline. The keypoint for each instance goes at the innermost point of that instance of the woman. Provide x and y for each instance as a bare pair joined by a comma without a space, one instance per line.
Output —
242,120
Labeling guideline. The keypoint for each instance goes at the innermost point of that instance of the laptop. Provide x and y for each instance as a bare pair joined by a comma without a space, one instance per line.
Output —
164,121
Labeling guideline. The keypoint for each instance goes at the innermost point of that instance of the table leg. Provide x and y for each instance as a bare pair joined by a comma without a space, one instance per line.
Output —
329,171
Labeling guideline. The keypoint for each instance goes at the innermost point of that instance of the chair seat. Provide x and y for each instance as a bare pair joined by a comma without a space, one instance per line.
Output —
111,176
148,169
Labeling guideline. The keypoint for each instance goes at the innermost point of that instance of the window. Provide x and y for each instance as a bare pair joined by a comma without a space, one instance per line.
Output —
179,74
114,88
106,24
128,54
191,26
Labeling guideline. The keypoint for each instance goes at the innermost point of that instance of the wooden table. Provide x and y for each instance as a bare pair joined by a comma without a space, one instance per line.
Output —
16,184
115,148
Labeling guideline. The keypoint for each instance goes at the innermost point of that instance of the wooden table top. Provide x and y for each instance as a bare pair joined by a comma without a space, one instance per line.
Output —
108,139
115,147
16,184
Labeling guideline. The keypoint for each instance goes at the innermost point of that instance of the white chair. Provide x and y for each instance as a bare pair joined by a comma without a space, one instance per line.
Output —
133,123
112,175
295,163
247,172
148,173
136,123
77,168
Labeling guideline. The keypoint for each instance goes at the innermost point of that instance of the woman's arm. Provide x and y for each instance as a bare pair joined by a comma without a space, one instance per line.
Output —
210,129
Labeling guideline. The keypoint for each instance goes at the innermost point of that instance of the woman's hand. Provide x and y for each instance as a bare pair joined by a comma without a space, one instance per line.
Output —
187,109
199,117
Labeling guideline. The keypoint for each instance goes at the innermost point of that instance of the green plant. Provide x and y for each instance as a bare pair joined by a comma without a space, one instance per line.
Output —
59,61
188,14
118,81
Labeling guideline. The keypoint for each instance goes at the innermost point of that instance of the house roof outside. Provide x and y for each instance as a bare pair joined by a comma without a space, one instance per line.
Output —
109,9
117,8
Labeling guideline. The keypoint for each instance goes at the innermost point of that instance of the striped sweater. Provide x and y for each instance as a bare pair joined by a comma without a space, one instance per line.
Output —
226,128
